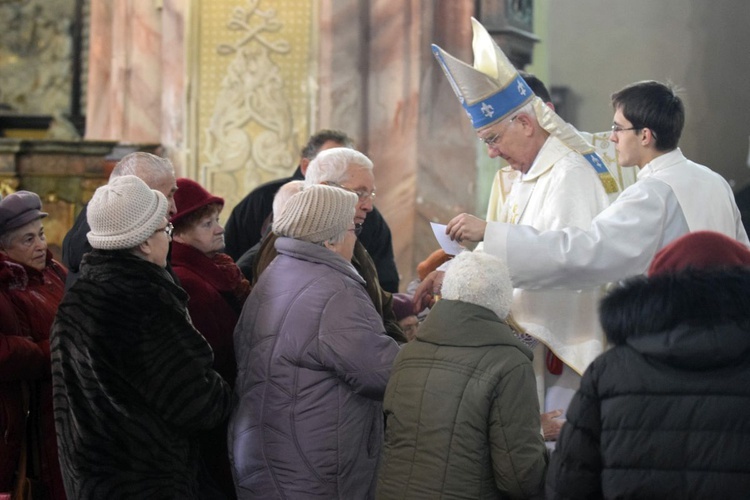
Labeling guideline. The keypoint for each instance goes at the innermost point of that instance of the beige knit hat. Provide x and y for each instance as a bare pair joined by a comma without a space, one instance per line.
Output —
124,213
316,214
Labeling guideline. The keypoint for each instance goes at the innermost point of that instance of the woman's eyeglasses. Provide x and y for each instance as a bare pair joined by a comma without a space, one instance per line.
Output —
168,229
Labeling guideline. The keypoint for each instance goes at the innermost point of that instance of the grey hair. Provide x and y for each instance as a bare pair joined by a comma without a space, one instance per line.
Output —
312,148
150,168
6,239
283,194
527,109
336,239
332,165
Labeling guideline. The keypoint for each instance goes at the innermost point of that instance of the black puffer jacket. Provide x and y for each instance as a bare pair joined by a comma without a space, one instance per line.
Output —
666,412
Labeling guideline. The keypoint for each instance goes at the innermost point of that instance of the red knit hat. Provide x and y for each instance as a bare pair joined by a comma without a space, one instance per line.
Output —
191,196
700,250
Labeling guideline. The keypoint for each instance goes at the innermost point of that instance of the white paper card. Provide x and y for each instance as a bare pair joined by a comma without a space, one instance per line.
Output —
449,246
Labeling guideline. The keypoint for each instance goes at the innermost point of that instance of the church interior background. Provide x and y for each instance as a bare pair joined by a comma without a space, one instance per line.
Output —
231,89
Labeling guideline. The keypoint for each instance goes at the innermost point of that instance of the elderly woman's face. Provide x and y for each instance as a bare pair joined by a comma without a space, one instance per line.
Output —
28,246
346,247
206,235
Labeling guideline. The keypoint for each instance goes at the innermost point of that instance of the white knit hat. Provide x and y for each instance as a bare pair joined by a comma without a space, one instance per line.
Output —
316,214
479,278
124,213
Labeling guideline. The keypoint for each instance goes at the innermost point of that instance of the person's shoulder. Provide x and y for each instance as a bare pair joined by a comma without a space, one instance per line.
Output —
189,277
575,161
506,357
375,214
261,194
269,187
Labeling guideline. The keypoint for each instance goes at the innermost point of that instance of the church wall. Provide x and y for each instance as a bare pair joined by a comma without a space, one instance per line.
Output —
596,47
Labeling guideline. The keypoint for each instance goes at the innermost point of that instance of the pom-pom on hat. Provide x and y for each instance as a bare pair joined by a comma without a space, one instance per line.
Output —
481,279
316,214
190,196
124,213
18,209
700,250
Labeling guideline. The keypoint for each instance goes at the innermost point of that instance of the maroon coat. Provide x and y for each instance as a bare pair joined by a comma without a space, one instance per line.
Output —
217,291
28,303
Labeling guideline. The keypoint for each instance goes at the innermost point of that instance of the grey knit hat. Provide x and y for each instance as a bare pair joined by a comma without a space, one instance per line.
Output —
124,213
316,214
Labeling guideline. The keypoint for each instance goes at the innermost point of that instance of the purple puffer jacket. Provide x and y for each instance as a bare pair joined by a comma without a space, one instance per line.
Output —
313,361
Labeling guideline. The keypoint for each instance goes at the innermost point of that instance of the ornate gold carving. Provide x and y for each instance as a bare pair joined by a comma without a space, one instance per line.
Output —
250,112
251,126
8,185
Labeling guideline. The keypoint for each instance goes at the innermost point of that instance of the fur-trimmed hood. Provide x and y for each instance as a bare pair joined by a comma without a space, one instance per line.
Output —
693,318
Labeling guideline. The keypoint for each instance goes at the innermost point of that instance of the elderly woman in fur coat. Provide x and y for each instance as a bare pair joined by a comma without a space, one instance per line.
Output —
462,415
133,379
665,413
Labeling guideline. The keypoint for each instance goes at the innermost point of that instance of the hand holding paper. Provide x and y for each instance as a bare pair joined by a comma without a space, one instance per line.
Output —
449,246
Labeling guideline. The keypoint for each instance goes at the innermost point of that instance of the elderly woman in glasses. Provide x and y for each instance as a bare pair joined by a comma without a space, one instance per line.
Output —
217,292
313,361
133,379
31,287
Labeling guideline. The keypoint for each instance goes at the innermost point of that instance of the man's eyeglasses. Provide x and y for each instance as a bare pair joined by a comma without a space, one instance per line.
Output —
617,128
362,195
168,229
491,140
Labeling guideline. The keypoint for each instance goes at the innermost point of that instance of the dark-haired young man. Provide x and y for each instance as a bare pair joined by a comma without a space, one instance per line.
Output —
673,196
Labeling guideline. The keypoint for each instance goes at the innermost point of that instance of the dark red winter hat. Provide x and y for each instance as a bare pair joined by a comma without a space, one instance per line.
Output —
700,250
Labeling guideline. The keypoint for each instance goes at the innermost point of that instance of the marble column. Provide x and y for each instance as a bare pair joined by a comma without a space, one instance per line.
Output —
380,83
174,103
124,86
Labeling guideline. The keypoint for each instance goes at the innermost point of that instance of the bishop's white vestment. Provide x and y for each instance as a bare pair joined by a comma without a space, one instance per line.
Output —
561,189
